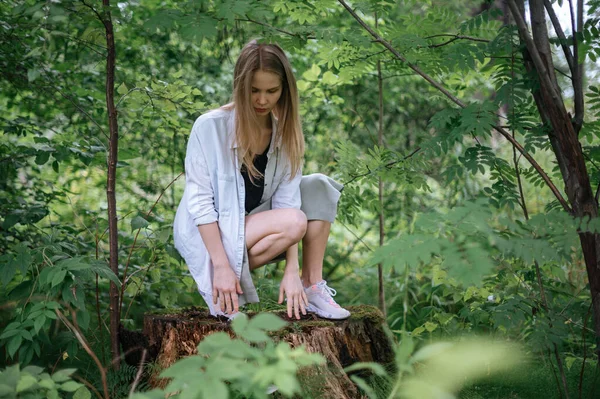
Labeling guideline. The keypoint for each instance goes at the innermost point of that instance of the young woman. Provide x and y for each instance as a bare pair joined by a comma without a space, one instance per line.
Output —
246,202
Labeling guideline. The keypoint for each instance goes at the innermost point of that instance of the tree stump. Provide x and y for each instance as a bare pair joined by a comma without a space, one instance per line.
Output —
170,336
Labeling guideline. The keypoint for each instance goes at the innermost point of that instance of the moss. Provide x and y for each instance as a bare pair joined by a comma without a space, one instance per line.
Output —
366,312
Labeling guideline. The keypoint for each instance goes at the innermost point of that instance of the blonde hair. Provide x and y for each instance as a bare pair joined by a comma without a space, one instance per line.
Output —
269,58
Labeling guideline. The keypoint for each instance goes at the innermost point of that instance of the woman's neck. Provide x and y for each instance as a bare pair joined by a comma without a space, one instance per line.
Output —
264,121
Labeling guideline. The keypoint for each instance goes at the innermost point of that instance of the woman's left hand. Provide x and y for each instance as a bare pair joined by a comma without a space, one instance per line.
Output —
291,287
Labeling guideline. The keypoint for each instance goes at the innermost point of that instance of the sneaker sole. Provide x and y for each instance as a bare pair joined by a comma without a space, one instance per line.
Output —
324,314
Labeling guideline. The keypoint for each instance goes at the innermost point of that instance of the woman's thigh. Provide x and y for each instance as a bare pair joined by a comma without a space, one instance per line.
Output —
291,222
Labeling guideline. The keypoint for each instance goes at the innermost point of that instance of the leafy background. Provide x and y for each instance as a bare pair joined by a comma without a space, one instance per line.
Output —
475,242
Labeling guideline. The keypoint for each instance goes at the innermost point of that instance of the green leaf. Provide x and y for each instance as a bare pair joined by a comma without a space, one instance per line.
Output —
27,381
102,270
33,370
47,383
32,74
312,74
13,345
329,78
9,333
569,360
267,322
405,349
216,389
59,277
429,326
362,384
138,222
5,390
11,376
70,386
82,393
63,375
374,367
122,89
239,324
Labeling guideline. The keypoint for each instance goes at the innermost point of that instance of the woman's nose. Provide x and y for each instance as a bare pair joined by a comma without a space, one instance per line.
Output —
262,99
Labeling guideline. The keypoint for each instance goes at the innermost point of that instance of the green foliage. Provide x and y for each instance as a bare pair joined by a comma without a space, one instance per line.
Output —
32,382
454,191
248,365
439,369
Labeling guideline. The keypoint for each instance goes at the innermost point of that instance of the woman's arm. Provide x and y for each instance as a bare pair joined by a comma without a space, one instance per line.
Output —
291,285
201,206
226,285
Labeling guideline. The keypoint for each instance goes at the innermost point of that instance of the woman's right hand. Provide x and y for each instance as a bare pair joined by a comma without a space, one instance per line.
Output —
226,288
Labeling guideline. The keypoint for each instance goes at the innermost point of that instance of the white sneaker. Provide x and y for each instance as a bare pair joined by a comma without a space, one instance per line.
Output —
321,302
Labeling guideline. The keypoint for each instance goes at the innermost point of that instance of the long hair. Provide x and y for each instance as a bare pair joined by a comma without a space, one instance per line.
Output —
269,58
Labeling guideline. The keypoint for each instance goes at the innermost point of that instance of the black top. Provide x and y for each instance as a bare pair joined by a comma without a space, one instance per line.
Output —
254,191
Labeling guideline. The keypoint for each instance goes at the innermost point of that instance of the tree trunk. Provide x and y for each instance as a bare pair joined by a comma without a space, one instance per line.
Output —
113,150
563,137
361,338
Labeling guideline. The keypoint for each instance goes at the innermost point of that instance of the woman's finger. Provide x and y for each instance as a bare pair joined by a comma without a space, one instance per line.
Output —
305,299
221,301
297,306
234,299
289,306
228,303
302,306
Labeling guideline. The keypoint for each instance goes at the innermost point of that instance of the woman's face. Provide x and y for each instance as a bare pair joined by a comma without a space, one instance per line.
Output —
266,90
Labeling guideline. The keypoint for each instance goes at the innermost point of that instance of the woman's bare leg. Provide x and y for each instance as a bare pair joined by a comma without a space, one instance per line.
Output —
313,251
271,233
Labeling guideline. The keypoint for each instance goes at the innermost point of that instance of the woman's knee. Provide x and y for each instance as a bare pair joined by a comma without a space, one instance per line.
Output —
295,224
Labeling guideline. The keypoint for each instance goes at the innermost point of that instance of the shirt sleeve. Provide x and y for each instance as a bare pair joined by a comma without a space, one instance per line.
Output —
287,194
198,186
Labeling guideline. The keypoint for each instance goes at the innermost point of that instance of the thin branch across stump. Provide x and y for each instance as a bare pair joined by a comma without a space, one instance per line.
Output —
361,338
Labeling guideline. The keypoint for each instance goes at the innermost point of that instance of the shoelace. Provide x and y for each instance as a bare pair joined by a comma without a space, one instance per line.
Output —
325,289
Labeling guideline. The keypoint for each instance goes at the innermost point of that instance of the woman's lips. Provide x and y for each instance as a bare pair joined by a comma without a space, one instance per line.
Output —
260,109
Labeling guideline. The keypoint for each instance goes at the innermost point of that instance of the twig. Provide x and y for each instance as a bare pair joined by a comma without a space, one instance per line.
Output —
387,165
97,14
357,237
455,38
85,345
138,375
136,237
84,112
587,315
248,19
475,39
381,287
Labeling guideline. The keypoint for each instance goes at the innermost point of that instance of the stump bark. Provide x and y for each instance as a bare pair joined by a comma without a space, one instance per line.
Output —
170,336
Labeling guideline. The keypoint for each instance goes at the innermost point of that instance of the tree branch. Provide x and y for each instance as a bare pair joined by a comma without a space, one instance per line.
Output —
458,102
285,32
561,35
578,75
455,38
474,39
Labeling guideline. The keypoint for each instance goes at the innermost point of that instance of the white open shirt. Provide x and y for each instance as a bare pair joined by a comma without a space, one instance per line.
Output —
214,192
